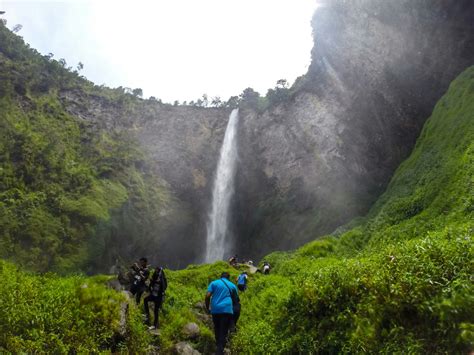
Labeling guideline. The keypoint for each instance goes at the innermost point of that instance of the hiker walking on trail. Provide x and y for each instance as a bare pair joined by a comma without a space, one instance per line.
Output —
222,301
242,281
140,274
157,288
266,268
233,260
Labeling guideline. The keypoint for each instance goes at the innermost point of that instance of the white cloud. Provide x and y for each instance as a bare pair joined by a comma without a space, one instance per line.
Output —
176,49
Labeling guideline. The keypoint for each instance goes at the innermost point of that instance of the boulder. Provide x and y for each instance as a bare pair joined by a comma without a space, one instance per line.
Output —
184,348
191,330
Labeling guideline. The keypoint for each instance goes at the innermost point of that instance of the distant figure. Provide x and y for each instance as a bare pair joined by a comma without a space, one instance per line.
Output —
233,260
266,268
242,281
222,297
140,274
157,288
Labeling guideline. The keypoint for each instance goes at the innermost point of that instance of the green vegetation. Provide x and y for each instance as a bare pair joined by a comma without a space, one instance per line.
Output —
51,314
68,189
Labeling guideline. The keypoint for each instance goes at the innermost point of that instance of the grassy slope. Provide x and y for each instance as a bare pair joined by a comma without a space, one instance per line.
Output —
75,314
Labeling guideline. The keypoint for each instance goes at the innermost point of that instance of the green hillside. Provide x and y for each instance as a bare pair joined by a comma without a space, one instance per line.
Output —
69,189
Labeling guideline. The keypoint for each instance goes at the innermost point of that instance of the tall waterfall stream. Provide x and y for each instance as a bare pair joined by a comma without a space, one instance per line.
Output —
217,226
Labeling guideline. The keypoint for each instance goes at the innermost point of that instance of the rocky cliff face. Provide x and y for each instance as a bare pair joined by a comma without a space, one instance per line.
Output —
181,145
322,157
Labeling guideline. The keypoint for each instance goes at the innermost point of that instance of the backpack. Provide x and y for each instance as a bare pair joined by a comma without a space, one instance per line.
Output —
242,280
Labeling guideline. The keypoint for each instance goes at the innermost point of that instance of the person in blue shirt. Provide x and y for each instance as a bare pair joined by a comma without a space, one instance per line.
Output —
242,281
219,302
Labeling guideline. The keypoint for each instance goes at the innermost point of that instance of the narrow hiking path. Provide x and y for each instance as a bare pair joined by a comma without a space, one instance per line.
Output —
185,327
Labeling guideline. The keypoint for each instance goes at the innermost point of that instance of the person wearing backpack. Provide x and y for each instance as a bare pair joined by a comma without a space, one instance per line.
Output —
157,288
139,274
242,281
266,267
222,301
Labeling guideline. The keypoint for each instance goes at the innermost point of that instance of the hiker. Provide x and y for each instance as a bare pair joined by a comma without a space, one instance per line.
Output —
222,296
233,260
242,281
140,274
266,268
157,288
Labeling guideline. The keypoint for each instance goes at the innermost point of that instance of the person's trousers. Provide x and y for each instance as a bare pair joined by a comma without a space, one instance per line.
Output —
157,300
222,323
138,291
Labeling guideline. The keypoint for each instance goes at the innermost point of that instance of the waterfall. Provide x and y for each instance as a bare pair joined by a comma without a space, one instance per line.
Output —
217,226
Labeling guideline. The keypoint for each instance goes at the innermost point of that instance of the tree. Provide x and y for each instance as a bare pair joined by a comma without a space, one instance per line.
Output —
80,66
280,93
282,84
216,101
233,102
250,98
137,92
205,100
17,28
176,103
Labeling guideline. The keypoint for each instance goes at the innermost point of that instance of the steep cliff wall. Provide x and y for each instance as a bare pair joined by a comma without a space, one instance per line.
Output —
322,158
182,146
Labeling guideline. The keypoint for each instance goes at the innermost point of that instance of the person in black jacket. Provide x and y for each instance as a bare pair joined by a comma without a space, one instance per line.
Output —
157,288
140,273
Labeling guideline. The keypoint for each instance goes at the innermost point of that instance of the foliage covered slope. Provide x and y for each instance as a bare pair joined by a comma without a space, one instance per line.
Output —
60,315
402,280
71,194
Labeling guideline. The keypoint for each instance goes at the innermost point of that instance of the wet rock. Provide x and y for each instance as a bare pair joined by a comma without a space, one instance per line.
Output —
115,285
200,306
153,350
191,330
123,318
184,348
205,318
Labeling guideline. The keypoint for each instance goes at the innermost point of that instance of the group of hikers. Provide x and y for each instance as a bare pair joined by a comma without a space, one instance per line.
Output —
234,261
156,288
221,300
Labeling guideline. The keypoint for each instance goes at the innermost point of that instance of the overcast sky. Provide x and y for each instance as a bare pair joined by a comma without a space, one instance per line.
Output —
173,49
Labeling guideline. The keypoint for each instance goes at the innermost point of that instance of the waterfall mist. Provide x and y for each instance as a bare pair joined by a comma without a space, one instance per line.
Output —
217,225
